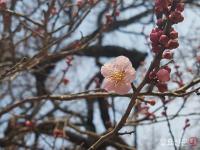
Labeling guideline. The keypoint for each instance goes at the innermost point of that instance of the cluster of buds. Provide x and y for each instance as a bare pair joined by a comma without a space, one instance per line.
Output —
162,41
165,7
164,38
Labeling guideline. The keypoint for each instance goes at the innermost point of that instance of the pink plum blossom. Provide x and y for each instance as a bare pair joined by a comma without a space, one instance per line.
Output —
119,73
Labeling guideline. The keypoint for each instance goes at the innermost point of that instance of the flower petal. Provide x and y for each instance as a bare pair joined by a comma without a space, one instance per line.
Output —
121,63
107,69
122,88
130,74
108,85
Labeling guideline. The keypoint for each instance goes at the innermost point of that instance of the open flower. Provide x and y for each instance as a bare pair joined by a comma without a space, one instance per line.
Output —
118,74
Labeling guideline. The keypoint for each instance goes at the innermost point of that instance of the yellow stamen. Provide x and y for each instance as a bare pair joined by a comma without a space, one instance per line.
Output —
117,76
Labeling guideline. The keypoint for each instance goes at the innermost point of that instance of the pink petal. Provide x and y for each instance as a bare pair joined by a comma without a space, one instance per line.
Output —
130,74
122,62
107,69
108,85
122,88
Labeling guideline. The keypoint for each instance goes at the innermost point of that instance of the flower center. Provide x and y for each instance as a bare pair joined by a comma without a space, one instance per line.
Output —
117,76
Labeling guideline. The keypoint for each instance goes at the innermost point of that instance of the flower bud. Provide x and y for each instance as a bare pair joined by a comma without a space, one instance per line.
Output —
176,17
172,44
163,39
159,22
154,37
29,123
152,74
163,75
168,69
152,102
173,35
65,81
156,48
162,87
180,7
167,54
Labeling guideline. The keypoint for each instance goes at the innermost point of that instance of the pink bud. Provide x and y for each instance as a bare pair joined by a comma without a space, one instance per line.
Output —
162,87
152,74
29,123
65,81
152,102
180,7
163,39
159,22
167,68
161,6
173,34
163,75
155,30
172,44
154,37
176,17
167,54
156,48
